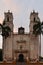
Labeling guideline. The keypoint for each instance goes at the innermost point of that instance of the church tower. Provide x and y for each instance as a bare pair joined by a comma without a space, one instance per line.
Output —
23,43
33,17
9,19
34,40
8,42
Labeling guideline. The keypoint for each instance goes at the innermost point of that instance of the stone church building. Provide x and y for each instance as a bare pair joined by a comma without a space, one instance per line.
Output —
23,43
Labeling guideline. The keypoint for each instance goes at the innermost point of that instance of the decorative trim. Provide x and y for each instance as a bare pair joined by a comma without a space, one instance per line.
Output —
21,41
21,51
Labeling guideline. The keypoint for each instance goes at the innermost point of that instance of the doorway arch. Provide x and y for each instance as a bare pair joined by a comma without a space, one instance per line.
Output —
21,57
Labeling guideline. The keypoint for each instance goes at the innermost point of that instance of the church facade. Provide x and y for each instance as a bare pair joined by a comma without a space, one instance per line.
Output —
23,43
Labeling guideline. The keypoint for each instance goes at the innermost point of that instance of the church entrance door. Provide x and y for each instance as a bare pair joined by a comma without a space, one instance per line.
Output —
21,58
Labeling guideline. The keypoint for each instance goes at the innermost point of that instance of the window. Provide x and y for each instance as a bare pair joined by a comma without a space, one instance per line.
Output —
34,19
7,18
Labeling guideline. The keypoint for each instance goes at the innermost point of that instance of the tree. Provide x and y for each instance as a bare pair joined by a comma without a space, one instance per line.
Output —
5,30
38,29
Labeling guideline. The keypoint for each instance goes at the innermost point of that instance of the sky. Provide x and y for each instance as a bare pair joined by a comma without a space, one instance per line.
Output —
21,10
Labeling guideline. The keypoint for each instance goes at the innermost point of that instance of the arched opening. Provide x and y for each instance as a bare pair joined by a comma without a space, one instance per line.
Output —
21,58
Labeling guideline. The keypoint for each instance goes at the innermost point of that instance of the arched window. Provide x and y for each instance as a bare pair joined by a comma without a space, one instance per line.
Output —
34,19
7,18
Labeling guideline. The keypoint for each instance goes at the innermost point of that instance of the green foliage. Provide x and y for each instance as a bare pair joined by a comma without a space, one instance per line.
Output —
37,28
5,30
4,22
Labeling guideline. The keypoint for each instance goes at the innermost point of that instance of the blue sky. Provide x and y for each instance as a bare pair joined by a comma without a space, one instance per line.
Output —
21,10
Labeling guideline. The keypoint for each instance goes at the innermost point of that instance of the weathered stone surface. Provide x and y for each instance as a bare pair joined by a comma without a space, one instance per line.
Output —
15,44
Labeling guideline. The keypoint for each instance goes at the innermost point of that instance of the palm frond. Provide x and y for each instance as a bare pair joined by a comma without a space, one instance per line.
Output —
37,29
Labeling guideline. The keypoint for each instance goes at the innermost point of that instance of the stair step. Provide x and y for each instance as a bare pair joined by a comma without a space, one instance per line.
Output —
21,63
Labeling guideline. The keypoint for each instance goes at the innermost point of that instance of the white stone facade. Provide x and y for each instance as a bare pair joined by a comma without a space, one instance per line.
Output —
15,44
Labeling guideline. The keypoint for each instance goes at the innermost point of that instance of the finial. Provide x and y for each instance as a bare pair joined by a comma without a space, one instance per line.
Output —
8,10
33,11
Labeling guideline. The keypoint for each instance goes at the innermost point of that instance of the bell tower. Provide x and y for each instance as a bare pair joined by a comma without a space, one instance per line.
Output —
34,40
33,17
8,42
9,19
